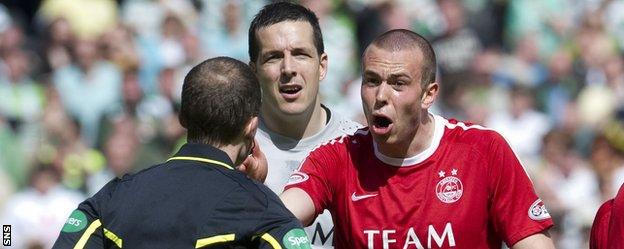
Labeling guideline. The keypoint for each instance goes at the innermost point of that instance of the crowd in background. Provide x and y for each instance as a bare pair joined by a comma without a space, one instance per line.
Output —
90,90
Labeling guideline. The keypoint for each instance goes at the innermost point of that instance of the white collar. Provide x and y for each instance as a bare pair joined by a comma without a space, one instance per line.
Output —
438,131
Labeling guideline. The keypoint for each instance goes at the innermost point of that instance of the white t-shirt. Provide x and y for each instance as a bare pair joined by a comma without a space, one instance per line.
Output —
284,156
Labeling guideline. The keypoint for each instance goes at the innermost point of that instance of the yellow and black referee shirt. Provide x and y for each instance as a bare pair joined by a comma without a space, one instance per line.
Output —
194,200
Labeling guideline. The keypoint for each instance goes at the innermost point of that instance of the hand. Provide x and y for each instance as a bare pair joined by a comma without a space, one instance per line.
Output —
255,165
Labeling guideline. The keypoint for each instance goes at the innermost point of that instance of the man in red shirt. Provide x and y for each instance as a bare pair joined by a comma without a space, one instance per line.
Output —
413,179
608,229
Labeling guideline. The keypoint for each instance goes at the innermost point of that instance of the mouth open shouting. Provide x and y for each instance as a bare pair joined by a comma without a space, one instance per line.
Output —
381,124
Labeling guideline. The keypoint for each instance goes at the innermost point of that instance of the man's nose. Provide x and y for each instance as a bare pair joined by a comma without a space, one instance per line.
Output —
288,68
381,95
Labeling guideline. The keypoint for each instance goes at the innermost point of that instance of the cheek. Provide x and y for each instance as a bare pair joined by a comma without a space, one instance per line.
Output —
269,73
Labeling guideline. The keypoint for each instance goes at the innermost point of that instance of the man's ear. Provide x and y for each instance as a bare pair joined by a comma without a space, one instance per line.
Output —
323,66
429,95
250,128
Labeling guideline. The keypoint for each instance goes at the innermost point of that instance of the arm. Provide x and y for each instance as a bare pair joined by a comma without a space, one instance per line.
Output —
535,241
300,204
83,229
279,228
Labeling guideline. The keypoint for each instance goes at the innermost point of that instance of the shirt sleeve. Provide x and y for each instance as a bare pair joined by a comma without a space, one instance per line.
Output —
516,210
616,223
83,228
598,238
279,228
315,177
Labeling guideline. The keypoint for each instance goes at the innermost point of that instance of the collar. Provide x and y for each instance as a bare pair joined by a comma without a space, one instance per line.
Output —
203,153
438,132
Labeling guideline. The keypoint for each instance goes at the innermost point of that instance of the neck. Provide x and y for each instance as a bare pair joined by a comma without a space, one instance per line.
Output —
234,152
296,126
420,140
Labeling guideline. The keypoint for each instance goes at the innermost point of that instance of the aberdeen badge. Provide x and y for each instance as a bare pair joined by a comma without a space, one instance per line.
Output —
450,188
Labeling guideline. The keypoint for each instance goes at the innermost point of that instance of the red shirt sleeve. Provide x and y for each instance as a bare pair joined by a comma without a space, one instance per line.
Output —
616,224
316,176
515,209
598,238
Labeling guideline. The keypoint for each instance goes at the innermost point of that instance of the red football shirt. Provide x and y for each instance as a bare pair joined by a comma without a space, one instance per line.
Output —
467,190
608,228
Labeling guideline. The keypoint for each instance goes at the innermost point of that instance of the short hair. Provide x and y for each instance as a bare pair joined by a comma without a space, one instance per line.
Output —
219,96
400,39
281,12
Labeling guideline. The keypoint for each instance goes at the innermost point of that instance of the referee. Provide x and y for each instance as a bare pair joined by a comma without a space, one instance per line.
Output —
196,199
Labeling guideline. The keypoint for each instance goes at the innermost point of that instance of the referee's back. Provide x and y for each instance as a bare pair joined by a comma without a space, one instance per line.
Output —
184,203
197,199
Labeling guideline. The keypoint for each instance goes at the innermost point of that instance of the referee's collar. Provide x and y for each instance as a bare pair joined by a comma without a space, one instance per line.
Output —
203,151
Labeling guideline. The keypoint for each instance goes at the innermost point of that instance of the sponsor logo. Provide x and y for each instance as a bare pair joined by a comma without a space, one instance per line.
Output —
76,222
390,238
323,237
296,239
361,197
6,235
450,188
297,177
538,211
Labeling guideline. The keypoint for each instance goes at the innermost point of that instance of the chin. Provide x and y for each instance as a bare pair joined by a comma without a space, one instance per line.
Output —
293,108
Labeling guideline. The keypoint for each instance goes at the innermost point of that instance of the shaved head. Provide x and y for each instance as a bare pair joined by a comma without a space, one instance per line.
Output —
403,39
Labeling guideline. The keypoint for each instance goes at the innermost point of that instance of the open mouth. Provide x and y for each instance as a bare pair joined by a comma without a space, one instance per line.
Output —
381,122
290,89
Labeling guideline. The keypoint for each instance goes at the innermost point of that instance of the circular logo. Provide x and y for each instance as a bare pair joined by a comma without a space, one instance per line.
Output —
449,189
297,177
296,239
538,211
76,222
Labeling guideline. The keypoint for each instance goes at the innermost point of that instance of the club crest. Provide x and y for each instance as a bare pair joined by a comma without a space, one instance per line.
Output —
538,211
450,188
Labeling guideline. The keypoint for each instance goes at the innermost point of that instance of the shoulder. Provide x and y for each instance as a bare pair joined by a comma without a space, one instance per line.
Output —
477,135
346,126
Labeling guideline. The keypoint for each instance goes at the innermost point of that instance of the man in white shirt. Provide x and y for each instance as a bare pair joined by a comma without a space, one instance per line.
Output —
287,55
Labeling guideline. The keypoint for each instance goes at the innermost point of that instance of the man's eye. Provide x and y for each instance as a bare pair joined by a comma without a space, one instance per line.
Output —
371,81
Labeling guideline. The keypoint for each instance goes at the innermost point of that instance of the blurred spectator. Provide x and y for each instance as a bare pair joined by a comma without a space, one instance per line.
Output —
548,21
171,48
88,87
340,48
121,154
229,38
455,50
377,18
522,125
56,48
38,212
87,19
560,88
119,48
21,107
523,66
569,187
22,98
607,156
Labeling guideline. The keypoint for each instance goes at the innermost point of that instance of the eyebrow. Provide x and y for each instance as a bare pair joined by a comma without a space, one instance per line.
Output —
368,73
400,75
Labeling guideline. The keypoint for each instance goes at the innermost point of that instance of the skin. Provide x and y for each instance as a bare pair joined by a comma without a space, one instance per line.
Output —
288,57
